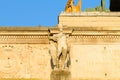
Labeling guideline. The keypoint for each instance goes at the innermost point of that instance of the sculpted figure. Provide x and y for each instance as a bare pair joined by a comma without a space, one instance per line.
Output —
71,8
62,50
53,51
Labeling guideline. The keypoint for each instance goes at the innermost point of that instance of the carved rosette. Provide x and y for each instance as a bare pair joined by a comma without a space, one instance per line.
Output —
9,61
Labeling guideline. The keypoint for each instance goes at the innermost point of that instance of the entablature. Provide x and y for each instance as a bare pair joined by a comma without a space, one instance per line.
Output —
40,36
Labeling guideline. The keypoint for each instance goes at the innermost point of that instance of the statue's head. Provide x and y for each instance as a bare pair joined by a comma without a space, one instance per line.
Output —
60,26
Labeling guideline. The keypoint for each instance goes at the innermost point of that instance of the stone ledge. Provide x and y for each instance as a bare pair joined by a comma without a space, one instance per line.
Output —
18,79
86,14
107,23
103,20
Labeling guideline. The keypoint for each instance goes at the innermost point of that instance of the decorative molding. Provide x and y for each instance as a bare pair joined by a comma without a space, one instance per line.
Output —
41,37
100,37
23,39
97,32
90,14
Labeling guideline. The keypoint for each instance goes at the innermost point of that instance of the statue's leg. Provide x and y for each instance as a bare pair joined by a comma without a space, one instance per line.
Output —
59,57
64,55
54,57
67,61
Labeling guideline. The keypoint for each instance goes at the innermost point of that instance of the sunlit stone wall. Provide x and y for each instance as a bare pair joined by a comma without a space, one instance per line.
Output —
95,62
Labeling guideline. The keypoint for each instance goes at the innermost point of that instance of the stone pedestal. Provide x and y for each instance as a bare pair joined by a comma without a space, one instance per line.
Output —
103,20
60,75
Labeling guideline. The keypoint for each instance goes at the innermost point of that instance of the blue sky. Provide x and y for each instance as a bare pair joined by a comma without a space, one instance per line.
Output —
36,12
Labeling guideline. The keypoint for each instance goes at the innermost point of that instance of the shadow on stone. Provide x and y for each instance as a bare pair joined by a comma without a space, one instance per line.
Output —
60,75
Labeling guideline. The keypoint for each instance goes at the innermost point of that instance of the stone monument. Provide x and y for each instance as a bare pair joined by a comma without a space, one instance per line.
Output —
60,56
61,50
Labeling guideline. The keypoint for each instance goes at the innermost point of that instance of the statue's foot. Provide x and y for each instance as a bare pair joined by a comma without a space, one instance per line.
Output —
66,68
55,68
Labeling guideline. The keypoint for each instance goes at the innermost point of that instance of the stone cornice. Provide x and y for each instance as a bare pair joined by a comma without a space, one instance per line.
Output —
22,28
28,33
91,14
41,36
97,33
24,39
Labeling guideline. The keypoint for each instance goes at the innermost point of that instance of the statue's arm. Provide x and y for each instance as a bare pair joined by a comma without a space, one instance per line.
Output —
49,37
53,38
67,36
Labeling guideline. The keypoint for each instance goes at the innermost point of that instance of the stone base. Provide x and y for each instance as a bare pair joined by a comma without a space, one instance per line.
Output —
60,75
104,20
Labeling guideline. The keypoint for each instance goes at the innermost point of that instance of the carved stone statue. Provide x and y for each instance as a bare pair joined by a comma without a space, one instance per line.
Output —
71,8
61,49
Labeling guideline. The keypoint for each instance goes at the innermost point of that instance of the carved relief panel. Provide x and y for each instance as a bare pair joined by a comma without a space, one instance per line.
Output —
24,60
